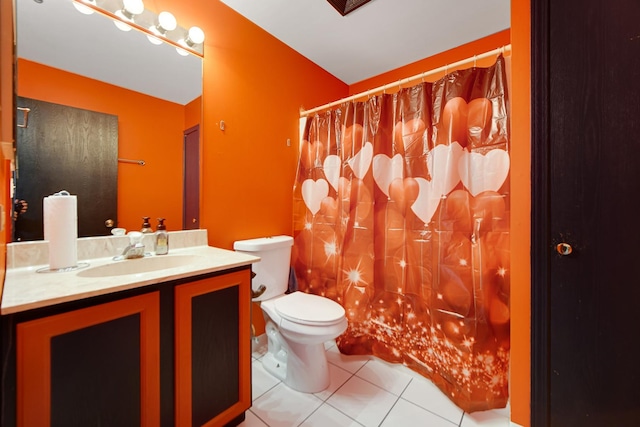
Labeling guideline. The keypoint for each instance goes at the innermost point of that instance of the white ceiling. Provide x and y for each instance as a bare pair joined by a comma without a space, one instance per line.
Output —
380,35
54,33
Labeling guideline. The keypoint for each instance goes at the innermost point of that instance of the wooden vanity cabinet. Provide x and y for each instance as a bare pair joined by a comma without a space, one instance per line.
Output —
173,354
92,366
213,355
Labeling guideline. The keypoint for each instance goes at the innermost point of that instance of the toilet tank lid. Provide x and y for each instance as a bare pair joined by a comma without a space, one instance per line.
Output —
263,243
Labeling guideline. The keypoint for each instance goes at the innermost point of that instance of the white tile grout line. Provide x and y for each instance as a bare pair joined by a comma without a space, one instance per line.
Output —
394,403
258,417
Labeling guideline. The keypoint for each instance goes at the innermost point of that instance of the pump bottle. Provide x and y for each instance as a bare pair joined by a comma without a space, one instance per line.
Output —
161,238
146,226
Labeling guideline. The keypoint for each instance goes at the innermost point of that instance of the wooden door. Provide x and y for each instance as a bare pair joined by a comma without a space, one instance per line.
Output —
66,148
191,204
586,187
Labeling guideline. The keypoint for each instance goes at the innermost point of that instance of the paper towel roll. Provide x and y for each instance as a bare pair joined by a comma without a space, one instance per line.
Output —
61,229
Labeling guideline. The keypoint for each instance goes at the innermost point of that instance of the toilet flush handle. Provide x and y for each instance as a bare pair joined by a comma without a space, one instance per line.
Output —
261,288
260,291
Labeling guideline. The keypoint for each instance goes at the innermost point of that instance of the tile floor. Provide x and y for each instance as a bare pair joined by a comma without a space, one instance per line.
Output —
364,391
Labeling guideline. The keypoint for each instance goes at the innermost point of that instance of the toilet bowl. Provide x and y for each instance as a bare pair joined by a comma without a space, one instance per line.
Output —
297,324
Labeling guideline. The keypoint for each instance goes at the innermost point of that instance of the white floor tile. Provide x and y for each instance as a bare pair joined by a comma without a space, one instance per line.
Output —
384,376
327,416
258,346
485,419
338,377
363,401
405,413
329,344
250,420
425,394
346,362
364,391
505,412
261,380
284,407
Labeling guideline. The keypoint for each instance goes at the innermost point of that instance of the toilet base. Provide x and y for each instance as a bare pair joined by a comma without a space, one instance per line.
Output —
303,367
307,367
275,367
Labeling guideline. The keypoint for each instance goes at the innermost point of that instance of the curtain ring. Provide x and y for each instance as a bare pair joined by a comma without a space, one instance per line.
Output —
475,61
446,70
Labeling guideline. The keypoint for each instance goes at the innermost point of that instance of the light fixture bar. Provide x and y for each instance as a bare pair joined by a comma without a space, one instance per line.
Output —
143,22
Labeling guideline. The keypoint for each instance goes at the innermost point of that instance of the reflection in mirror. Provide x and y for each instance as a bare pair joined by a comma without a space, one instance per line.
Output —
85,62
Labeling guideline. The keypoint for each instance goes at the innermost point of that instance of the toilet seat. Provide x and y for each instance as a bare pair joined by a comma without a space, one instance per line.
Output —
308,309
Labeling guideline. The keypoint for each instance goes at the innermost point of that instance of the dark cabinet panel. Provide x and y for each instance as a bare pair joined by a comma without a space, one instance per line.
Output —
214,353
213,348
95,375
93,366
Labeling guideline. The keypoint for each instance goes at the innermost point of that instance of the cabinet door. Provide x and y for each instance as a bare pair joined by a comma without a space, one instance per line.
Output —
93,366
213,357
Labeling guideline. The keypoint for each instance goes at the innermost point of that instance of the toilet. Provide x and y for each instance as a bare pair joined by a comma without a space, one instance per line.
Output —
296,324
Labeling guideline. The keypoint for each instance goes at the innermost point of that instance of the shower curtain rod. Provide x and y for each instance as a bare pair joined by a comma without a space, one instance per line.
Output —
503,49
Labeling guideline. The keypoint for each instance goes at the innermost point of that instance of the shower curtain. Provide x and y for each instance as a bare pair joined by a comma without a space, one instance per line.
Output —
401,215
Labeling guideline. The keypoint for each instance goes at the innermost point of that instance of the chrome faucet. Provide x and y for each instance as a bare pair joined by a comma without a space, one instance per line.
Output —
135,249
132,251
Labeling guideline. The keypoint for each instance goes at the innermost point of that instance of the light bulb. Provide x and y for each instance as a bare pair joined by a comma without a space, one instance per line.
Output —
154,40
196,35
134,7
121,25
127,13
165,22
82,8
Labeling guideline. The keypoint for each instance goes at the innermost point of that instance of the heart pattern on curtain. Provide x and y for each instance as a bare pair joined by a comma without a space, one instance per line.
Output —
401,215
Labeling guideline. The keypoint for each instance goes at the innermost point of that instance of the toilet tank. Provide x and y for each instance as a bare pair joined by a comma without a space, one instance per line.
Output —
272,270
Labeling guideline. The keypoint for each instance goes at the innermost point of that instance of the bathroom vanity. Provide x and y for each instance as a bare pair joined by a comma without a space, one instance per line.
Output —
158,341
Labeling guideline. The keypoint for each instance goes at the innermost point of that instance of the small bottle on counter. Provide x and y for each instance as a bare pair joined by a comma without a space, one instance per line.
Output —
146,226
161,238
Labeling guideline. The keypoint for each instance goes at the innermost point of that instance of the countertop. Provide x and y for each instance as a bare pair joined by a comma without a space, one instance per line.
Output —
26,289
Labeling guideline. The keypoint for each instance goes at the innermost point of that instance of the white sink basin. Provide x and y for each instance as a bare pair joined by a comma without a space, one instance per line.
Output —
139,265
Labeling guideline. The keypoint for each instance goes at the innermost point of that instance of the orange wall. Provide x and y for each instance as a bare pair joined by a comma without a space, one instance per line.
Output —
520,212
193,113
256,85
148,128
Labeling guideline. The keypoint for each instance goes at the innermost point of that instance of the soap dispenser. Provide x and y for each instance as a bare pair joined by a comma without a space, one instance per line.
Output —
146,226
161,238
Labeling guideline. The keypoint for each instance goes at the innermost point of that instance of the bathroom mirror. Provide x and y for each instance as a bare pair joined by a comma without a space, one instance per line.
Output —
55,34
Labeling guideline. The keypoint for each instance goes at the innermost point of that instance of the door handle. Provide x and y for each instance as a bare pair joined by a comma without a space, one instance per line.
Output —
564,249
25,117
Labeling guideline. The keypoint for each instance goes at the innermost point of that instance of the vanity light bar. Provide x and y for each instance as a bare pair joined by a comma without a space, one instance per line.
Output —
146,22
